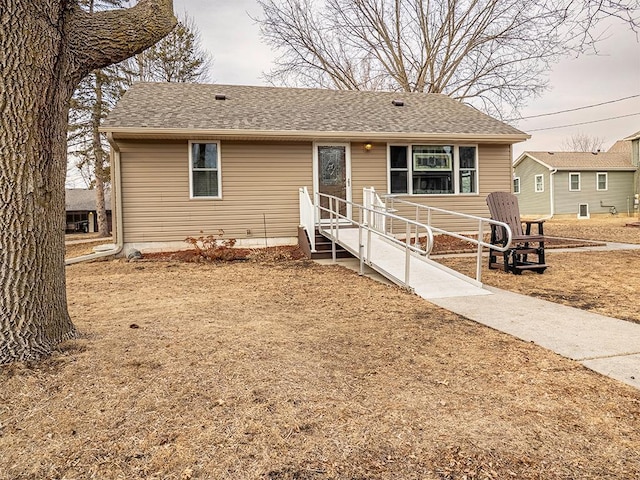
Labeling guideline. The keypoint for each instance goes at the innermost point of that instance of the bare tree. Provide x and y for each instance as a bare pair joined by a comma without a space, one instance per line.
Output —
179,57
493,53
581,142
47,47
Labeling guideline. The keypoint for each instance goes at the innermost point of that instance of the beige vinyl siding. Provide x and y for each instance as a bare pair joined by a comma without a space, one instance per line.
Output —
258,179
368,169
494,173
619,191
530,201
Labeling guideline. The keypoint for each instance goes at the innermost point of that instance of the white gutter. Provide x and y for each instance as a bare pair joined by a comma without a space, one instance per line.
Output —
178,133
117,197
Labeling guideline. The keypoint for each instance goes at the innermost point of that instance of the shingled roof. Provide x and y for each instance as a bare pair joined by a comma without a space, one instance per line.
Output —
81,199
179,108
581,160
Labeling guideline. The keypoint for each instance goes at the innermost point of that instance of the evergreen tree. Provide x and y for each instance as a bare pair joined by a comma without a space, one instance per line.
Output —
180,58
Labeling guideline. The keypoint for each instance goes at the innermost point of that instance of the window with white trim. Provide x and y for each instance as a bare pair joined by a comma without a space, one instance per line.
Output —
602,181
539,183
433,169
204,170
574,182
516,185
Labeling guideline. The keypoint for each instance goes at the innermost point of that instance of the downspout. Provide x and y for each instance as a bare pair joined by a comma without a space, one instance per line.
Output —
551,198
117,197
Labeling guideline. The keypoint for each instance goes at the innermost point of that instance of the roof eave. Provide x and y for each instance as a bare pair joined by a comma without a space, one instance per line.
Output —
524,155
632,137
305,135
595,169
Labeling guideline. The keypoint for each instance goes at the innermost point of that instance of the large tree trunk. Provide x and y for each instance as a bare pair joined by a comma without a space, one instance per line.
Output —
46,47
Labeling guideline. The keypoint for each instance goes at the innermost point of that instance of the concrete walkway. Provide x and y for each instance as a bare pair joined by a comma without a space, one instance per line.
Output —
606,345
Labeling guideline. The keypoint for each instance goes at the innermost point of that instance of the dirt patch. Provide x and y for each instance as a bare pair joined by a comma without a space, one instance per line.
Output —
273,254
292,370
602,228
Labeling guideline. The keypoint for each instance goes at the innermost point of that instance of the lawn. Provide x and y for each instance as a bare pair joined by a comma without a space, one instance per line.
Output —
603,282
292,370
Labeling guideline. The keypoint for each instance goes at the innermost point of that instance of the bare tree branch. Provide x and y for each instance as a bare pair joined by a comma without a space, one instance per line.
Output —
94,43
494,53
581,142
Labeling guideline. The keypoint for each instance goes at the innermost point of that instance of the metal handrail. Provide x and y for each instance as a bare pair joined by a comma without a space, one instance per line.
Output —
307,216
482,222
371,199
412,231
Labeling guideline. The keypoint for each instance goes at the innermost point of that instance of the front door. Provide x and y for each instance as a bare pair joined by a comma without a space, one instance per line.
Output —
333,175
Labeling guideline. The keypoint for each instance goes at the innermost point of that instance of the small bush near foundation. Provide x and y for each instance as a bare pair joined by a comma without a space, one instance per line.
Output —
213,247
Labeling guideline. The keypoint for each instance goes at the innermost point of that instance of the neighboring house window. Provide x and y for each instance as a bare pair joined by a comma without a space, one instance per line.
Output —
516,185
433,169
574,182
583,210
539,183
602,181
204,169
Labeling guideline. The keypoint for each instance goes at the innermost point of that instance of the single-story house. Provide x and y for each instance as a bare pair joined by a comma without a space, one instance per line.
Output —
574,183
191,158
80,206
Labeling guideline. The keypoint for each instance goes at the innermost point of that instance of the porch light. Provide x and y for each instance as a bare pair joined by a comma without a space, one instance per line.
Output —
368,146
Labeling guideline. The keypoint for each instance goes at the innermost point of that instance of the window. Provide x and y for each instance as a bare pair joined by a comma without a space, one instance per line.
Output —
574,182
602,181
467,169
583,210
516,185
204,169
539,183
433,169
398,169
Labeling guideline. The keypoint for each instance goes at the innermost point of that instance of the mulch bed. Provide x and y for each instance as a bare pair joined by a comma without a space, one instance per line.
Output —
443,245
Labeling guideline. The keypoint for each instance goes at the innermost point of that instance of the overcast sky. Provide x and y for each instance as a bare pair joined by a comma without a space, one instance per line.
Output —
232,37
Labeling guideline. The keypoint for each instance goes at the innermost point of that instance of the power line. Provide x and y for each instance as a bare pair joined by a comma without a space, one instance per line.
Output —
582,123
574,109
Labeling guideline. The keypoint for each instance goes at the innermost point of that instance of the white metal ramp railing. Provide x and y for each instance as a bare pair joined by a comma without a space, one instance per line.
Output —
307,216
392,201
399,254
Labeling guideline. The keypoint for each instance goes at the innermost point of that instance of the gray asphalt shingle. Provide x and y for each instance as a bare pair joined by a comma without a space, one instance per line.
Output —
271,109
584,161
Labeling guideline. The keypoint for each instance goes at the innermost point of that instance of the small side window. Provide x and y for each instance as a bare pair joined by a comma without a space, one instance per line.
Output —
204,169
574,182
516,185
602,181
539,183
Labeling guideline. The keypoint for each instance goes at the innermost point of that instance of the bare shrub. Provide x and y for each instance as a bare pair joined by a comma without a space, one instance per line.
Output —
213,247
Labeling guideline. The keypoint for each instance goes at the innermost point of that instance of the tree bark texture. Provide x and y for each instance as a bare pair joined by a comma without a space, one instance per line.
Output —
46,47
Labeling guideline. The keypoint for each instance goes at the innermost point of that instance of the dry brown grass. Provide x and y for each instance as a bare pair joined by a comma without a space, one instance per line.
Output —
603,282
79,249
297,371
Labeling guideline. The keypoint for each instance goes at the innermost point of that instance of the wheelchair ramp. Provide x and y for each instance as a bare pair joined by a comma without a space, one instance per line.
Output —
427,278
